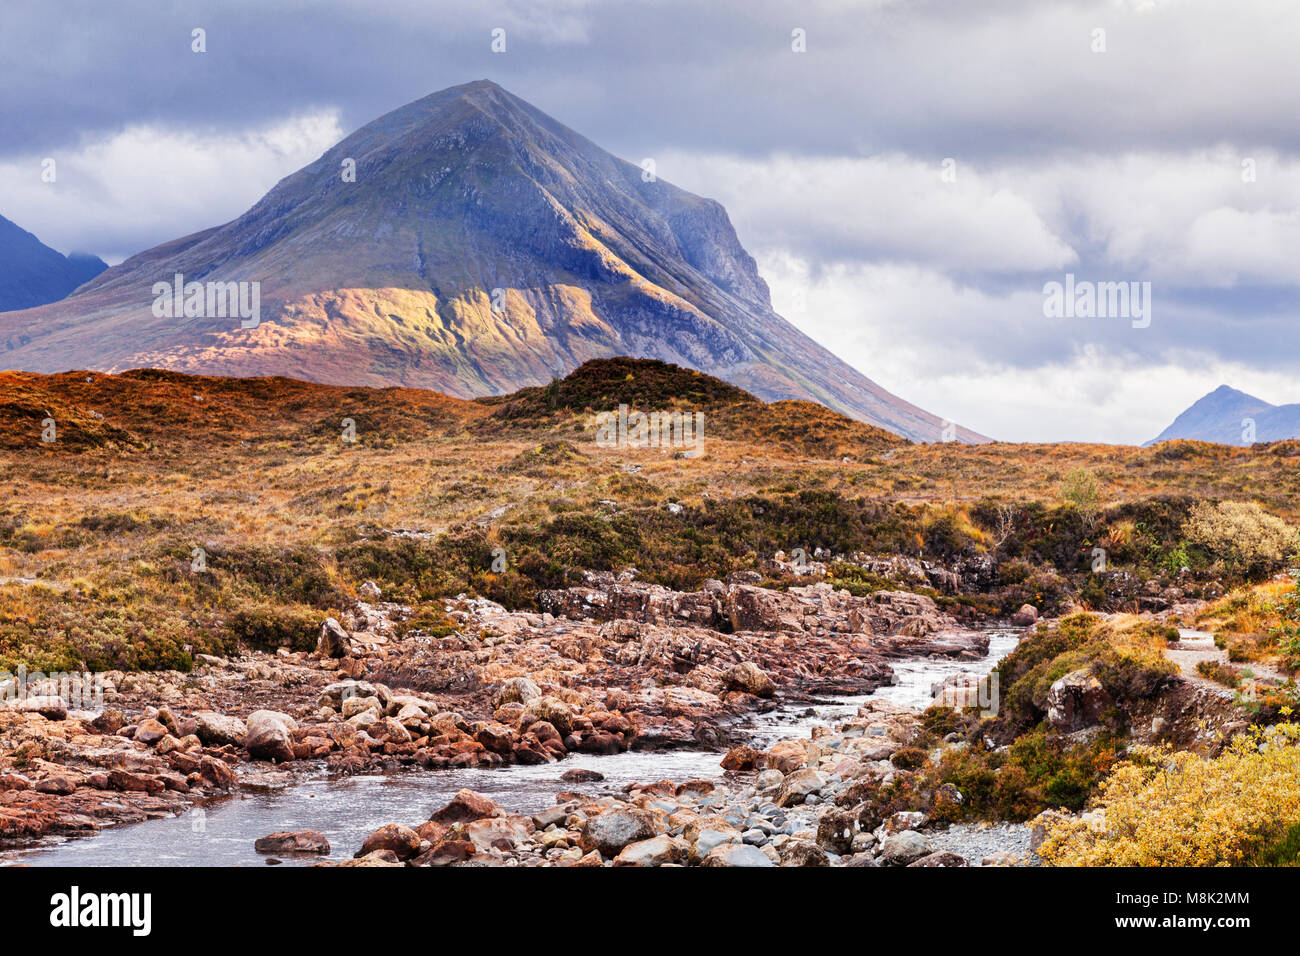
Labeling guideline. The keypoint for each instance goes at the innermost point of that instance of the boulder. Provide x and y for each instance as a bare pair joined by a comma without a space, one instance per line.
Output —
150,731
736,854
297,841
748,679
517,690
1076,702
941,858
900,849
742,758
270,735
333,640
1027,616
653,852
215,729
399,840
802,853
466,805
611,831
798,786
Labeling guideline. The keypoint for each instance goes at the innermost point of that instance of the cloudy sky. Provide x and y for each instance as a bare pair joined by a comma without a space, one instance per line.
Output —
908,182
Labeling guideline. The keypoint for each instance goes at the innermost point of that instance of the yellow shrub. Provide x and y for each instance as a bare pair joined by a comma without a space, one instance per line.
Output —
1180,809
1241,533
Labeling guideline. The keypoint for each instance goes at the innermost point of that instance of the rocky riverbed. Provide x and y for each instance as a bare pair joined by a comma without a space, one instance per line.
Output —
611,667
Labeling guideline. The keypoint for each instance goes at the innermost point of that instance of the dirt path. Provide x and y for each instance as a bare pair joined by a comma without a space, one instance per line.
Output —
1197,646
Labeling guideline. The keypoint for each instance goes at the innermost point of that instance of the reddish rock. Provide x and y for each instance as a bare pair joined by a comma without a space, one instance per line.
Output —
400,840
740,759
465,806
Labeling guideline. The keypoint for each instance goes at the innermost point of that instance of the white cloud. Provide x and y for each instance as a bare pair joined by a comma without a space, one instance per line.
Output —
151,184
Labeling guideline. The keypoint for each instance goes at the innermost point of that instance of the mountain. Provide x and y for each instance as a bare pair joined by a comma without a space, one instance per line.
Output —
1221,416
31,273
482,247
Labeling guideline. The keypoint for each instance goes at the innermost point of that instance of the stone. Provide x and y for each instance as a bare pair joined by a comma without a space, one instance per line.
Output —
517,690
1076,702
802,853
296,841
581,776
736,854
748,679
355,706
333,641
609,832
655,851
800,785
941,858
217,772
465,806
900,849
401,841
742,758
150,731
270,735
216,730
1027,616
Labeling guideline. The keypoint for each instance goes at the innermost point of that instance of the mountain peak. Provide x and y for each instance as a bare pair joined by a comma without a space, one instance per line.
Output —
1229,416
469,243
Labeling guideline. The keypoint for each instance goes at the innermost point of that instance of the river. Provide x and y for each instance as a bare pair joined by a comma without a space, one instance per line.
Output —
347,809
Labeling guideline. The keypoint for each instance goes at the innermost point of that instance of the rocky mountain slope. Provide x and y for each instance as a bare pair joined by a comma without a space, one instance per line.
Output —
1225,416
32,274
481,247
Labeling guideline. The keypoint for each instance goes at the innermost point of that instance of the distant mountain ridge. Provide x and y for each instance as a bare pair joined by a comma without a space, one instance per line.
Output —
482,247
1227,415
32,274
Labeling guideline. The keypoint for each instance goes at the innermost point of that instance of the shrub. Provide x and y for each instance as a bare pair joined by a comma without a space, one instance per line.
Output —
1241,534
1165,808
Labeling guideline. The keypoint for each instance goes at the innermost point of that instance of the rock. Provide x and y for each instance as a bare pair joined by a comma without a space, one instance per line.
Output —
1027,616
216,729
555,712
465,806
355,706
59,784
798,786
297,841
125,780
736,854
581,776
1076,701
270,735
49,707
742,758
150,731
517,690
1040,824
653,852
802,853
333,641
747,678
941,858
711,837
401,841
109,722
900,849
217,772
370,591
769,779
14,781
609,832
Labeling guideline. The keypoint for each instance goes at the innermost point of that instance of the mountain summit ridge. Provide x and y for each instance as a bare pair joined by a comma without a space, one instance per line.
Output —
482,247
1227,415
